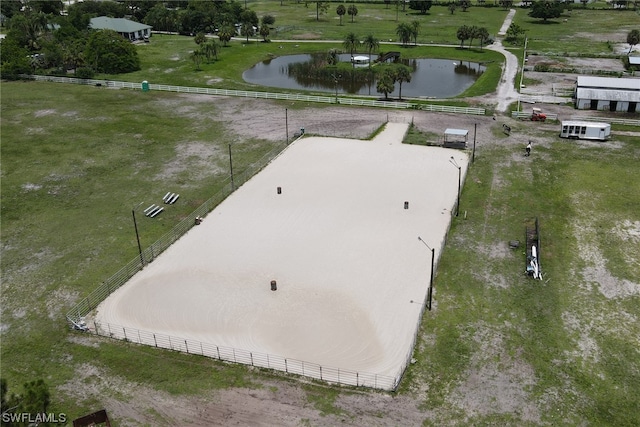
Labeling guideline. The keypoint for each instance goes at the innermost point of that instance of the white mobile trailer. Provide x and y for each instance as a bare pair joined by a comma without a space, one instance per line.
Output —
585,130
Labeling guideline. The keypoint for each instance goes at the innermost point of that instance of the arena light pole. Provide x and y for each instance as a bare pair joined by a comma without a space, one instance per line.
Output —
233,187
335,83
433,259
453,162
135,226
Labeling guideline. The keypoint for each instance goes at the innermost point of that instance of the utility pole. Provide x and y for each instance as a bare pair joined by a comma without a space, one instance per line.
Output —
231,169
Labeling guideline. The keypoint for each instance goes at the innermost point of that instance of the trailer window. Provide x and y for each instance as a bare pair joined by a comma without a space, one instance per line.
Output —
564,128
583,130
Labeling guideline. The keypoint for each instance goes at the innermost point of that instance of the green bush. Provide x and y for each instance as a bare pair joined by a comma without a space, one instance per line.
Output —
84,73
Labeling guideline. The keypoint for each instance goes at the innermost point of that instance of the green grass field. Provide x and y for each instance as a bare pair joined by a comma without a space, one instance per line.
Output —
75,162
77,159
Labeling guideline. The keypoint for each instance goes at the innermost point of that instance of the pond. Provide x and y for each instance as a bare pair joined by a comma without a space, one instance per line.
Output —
433,78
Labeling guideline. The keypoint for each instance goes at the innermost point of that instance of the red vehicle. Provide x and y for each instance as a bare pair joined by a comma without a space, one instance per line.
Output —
538,116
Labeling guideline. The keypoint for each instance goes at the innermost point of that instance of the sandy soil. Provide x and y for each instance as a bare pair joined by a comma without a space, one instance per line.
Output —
340,243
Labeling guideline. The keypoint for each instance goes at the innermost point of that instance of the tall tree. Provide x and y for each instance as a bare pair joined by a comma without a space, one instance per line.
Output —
264,32
385,83
403,30
464,4
633,38
546,9
341,10
269,20
371,43
422,5
249,21
483,36
415,30
210,49
506,4
108,52
197,56
513,33
161,18
200,38
29,26
452,7
226,33
15,58
402,74
321,8
350,43
352,11
463,34
473,33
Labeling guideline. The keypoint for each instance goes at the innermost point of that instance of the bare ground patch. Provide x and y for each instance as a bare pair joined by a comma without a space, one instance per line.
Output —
496,382
595,271
196,158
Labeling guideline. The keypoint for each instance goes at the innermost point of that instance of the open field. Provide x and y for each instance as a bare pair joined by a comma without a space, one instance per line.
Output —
497,348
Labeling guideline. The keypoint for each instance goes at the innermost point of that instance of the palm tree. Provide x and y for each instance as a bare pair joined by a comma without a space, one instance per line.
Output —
196,57
473,33
403,30
371,43
200,38
210,49
463,33
483,36
350,43
415,30
264,31
402,74
332,57
226,33
341,10
385,84
352,11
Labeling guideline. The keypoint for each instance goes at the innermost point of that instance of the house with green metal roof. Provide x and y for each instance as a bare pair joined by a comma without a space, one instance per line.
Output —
130,30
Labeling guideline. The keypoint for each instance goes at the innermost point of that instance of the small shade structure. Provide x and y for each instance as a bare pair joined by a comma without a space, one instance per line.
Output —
455,138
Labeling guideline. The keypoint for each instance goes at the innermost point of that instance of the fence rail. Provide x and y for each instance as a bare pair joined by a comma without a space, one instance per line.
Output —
361,102
245,357
611,120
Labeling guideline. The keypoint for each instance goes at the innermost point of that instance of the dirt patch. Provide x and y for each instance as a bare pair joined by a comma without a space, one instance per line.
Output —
42,113
197,158
496,385
605,64
307,36
595,271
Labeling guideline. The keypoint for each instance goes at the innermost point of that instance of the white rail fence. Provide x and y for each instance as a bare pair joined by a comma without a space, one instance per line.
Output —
260,360
611,120
361,102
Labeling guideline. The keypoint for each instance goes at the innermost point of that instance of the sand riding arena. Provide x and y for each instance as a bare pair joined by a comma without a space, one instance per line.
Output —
313,267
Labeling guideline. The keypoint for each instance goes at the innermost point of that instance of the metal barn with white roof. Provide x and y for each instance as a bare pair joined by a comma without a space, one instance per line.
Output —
608,94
